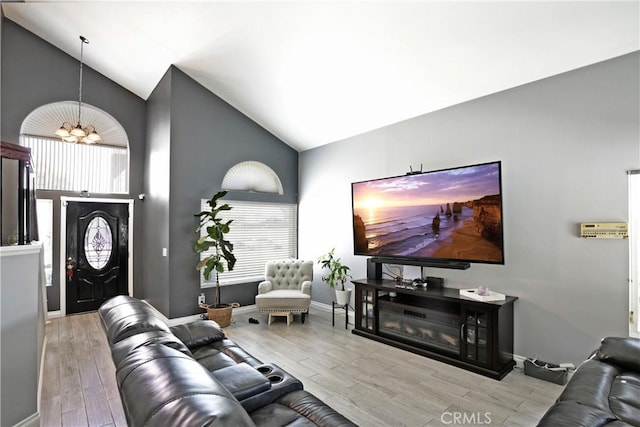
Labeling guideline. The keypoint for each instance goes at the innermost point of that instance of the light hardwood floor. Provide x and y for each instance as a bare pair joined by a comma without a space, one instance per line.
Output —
370,383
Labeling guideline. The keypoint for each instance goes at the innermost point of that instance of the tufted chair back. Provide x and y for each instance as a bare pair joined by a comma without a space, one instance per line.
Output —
288,274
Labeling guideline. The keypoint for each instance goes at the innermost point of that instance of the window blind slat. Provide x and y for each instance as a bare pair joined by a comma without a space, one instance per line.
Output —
260,232
76,167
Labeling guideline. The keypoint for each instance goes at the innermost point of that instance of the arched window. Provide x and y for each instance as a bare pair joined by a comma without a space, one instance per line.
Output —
99,168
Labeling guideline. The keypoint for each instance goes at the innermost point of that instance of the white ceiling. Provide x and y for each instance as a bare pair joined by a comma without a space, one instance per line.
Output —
314,72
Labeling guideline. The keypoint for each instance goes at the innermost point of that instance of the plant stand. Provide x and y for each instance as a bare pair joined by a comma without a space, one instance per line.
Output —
345,307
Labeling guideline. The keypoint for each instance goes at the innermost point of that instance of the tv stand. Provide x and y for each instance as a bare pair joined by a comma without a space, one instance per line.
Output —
455,265
438,323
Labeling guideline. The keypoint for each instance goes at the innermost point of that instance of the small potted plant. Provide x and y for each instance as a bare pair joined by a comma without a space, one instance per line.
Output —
338,275
215,228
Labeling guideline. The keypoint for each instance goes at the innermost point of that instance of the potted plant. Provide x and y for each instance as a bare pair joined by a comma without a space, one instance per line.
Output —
338,275
215,228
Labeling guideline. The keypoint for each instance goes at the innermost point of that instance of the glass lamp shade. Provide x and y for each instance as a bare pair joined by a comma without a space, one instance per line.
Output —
93,137
63,132
71,138
78,131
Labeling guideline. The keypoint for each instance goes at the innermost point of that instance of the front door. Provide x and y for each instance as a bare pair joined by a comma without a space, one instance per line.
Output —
96,262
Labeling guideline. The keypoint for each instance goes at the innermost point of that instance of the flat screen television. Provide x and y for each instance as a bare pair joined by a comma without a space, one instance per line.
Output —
443,216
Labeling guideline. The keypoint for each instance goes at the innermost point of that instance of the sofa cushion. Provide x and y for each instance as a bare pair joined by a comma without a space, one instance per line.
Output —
571,413
212,358
160,386
624,352
198,333
283,299
298,408
624,398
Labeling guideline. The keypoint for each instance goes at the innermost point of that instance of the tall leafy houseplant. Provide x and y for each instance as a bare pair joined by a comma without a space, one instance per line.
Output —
338,272
215,228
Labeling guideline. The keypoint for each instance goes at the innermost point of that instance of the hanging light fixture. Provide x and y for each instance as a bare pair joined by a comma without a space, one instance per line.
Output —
69,133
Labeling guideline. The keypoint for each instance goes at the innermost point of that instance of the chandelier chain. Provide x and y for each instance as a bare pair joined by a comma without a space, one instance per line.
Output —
78,133
83,41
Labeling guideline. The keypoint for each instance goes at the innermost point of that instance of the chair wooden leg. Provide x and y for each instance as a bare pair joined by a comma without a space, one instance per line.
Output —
303,314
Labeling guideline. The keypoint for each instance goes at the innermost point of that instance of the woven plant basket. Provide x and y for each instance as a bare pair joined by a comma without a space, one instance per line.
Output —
221,315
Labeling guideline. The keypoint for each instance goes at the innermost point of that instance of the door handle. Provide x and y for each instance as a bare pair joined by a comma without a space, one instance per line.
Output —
71,265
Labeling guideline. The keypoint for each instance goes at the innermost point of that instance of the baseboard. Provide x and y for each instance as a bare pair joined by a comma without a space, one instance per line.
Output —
45,342
188,319
54,314
31,421
519,361
245,309
328,308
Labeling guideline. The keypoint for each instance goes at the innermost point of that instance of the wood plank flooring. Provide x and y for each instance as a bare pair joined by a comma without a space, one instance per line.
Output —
370,383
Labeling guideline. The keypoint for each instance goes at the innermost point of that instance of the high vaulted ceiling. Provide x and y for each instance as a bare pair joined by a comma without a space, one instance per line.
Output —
314,72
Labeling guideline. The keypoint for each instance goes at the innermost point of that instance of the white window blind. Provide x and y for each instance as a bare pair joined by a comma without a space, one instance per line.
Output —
634,253
77,167
260,232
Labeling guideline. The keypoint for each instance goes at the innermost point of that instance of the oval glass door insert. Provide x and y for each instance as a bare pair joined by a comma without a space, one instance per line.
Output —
98,244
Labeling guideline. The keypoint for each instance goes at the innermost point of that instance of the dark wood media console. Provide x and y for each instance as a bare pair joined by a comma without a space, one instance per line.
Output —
438,323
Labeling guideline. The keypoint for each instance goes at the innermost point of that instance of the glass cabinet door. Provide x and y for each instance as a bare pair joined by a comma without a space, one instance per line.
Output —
476,337
365,299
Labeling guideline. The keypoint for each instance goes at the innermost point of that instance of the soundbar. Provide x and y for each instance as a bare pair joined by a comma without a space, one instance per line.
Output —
454,265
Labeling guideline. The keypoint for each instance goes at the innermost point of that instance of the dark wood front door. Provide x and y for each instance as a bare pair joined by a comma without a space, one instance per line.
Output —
97,254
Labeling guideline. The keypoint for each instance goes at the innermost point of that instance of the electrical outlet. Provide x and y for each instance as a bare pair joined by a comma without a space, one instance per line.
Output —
200,299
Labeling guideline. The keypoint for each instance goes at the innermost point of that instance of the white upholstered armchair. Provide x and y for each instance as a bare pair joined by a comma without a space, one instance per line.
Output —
286,289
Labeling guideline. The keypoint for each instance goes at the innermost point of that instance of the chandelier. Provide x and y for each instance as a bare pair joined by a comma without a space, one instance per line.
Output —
69,133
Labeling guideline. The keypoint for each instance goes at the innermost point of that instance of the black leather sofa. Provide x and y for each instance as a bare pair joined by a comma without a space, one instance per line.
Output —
192,375
604,390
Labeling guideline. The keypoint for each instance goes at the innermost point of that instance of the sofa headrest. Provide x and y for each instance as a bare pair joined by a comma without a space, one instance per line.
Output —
161,386
123,316
620,351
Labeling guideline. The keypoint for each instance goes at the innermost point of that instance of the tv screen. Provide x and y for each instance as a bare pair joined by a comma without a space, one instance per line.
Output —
444,215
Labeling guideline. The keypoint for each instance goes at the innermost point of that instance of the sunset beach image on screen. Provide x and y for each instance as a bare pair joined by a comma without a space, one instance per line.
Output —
451,214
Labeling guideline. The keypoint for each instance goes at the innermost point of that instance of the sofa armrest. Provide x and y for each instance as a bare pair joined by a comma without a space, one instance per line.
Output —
306,287
264,287
242,380
620,351
199,333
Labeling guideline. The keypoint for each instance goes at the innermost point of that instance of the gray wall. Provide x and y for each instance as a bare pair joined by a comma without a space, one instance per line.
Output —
155,285
207,137
194,137
565,143
45,75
